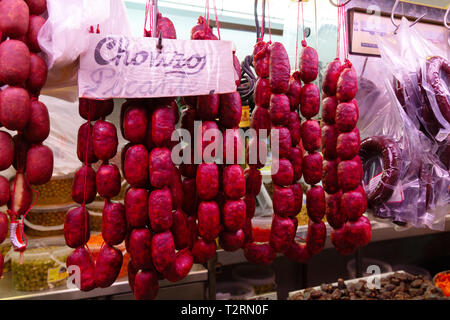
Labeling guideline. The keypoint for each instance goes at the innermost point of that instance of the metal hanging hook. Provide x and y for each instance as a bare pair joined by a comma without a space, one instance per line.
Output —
446,16
342,4
398,25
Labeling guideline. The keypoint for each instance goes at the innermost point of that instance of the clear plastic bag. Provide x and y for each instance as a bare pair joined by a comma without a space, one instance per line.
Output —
419,194
405,55
65,34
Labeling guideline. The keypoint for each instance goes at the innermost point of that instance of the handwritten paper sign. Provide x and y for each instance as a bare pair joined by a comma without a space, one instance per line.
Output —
116,66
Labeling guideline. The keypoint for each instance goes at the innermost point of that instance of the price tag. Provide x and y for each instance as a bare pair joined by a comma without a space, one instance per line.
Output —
116,66
245,118
56,274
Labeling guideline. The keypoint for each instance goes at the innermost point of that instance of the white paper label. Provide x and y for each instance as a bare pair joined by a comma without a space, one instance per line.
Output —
397,195
373,183
116,66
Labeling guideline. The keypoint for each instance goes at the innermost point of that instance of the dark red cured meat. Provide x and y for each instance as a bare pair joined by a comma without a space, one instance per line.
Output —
176,189
34,26
114,223
261,120
359,232
309,100
334,215
233,215
190,196
76,227
279,68
38,127
261,59
311,135
160,167
203,250
282,233
165,28
140,243
353,204
347,85
81,258
256,153
253,181
163,124
296,158
146,285
262,93
6,150
298,198
248,230
37,6
232,146
208,220
330,134
346,116
15,108
84,187
284,174
312,168
348,144
340,241
435,67
4,191
136,207
14,62
349,173
208,106
108,181
180,229
260,253
283,201
329,105
208,134
163,251
160,209
294,91
135,124
329,176
284,141
107,266
207,181
309,64
188,170
181,267
85,144
279,109
38,74
298,252
21,195
315,203
250,206
132,271
39,164
230,110
232,241
105,141
90,109
234,182
316,237
188,117
331,76
294,125
136,166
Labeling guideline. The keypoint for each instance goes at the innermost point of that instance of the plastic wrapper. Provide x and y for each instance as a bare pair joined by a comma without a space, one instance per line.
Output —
414,200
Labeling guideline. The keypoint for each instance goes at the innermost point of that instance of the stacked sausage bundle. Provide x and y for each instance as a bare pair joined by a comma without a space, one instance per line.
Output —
96,142
342,168
23,73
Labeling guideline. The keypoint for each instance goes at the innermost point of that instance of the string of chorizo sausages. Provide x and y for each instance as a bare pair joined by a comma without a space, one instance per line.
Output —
25,73
342,168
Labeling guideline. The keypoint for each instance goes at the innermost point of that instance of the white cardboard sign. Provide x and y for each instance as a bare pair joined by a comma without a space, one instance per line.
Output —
117,66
